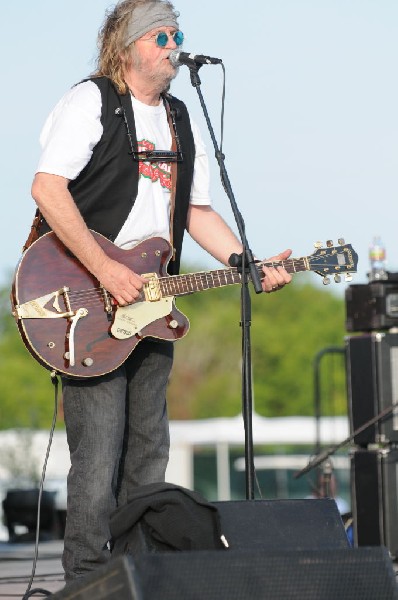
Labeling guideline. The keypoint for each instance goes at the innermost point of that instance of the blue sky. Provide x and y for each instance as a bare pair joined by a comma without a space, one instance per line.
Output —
311,122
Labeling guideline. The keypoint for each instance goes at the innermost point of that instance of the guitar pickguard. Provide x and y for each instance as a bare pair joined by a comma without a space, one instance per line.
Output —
131,320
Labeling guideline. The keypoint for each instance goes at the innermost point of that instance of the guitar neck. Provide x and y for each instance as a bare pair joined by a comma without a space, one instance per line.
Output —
180,285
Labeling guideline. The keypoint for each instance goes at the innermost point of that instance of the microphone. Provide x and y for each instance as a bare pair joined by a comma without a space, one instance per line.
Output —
178,58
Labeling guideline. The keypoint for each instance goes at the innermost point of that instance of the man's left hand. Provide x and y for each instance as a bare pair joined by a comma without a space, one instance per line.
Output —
276,277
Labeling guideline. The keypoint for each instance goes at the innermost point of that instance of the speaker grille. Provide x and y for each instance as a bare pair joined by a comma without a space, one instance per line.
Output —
360,574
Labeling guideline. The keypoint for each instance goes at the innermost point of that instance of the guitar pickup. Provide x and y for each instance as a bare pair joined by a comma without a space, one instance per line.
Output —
36,309
151,289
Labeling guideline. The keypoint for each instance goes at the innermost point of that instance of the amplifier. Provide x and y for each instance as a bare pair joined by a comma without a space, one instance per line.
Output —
374,478
372,306
372,385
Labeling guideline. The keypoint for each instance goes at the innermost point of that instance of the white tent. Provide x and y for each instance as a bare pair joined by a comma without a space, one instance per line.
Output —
18,446
281,430
22,452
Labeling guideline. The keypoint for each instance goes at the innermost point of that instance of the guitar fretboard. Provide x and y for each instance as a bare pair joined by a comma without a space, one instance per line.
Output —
179,285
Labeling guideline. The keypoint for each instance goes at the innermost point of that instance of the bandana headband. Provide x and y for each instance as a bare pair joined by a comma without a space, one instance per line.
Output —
146,17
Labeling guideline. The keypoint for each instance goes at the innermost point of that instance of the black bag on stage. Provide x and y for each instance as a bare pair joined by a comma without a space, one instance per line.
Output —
165,517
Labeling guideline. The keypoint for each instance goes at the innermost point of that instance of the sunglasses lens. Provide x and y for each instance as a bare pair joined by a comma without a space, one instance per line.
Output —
161,39
178,38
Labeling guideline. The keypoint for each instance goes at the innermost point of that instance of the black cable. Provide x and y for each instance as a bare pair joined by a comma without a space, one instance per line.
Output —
36,591
29,592
222,126
222,109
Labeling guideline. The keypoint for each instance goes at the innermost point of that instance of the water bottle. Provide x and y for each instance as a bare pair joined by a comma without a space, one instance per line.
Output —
377,260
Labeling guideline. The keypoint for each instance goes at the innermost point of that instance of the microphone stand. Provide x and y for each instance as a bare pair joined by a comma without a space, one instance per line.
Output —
245,263
320,458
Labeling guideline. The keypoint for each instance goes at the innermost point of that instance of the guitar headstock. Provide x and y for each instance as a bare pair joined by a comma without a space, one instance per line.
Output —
333,261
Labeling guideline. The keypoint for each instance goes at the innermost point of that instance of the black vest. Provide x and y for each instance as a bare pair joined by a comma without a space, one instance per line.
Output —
106,189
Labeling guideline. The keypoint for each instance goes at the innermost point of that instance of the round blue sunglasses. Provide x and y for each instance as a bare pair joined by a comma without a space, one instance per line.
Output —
162,38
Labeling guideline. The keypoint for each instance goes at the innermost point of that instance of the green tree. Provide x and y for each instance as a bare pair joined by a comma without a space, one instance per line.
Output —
26,390
288,329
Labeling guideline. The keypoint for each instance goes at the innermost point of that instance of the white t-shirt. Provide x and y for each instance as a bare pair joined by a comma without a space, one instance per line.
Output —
73,129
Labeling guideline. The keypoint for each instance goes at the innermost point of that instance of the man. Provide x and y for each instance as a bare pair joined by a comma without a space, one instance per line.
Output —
96,173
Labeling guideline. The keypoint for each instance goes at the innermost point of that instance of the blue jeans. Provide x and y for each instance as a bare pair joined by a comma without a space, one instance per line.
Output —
118,437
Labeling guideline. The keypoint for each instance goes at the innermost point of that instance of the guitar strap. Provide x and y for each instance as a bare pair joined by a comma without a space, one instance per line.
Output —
34,230
173,171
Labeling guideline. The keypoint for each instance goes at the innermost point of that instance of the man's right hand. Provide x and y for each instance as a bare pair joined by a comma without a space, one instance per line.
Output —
122,283
61,213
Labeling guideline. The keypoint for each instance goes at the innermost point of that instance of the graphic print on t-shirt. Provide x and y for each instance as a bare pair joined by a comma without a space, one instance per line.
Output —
154,171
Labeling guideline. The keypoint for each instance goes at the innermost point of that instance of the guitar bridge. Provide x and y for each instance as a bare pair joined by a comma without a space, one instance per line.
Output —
151,289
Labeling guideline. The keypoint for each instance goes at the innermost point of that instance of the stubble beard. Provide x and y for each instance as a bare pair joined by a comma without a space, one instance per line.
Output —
159,80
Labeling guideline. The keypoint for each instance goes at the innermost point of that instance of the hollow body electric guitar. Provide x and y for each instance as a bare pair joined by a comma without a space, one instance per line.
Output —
71,325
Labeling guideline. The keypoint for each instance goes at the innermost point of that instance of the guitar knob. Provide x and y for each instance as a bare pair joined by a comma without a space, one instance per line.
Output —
326,280
87,362
173,324
348,277
337,278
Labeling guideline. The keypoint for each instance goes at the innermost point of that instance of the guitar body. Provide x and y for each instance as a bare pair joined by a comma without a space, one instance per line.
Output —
70,325
47,266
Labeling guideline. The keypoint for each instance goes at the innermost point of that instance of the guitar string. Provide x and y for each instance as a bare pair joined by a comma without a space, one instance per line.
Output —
225,274
201,277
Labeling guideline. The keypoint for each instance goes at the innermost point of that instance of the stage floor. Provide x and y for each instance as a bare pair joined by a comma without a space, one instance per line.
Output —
16,563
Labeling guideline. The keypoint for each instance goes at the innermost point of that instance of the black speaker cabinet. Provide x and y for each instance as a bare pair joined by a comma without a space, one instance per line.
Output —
114,581
372,306
282,524
350,574
372,381
374,481
262,524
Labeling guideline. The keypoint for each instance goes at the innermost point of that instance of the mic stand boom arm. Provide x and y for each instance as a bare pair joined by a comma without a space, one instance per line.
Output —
247,264
320,458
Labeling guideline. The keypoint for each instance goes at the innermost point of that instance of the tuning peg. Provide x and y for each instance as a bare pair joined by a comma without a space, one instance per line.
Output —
329,243
341,241
326,280
348,277
318,245
337,278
